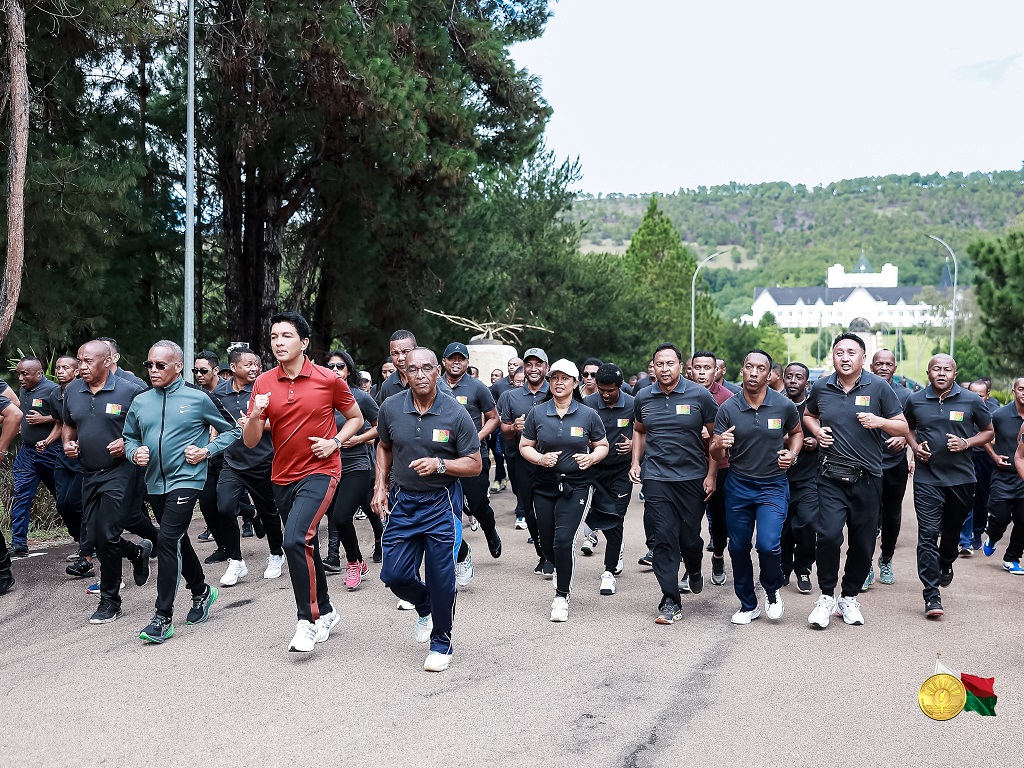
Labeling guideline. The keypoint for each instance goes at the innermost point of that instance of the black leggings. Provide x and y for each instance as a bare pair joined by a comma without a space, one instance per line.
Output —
560,519
355,490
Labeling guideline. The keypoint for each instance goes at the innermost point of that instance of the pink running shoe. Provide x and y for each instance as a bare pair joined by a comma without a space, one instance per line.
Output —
354,573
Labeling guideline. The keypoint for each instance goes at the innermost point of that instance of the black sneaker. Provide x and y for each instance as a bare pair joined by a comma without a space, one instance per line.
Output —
19,550
6,582
332,564
684,583
158,630
646,560
258,528
539,570
718,570
669,613
200,610
946,576
710,547
696,582
785,579
219,556
81,569
106,612
205,535
140,565
803,583
548,569
494,545
933,608
247,530
378,552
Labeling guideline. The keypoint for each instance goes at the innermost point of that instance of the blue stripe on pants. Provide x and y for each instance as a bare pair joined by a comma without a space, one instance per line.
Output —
424,526
748,500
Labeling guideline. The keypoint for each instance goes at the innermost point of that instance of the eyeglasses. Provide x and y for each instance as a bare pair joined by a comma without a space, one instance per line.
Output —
590,374
151,364
426,370
337,366
197,371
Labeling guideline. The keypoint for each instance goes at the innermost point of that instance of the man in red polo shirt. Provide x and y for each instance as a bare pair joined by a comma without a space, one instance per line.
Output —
299,399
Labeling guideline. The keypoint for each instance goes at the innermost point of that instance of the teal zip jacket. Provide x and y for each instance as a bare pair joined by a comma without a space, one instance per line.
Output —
169,420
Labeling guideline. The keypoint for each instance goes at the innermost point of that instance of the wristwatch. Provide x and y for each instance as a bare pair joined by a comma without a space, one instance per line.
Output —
440,466
336,440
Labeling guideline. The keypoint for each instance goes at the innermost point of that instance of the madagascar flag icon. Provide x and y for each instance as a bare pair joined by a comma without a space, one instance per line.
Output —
981,696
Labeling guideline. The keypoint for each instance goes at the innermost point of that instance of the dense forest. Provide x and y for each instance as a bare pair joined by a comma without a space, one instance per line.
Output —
779,234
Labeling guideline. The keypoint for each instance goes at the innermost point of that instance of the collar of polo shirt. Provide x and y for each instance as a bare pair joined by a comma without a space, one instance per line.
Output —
435,407
930,393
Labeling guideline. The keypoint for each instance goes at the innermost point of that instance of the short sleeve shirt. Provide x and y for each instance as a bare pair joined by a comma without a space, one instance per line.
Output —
760,433
359,457
444,431
515,403
475,397
618,424
45,399
236,455
838,410
500,387
675,449
1007,423
299,409
892,459
961,413
805,471
570,434
99,418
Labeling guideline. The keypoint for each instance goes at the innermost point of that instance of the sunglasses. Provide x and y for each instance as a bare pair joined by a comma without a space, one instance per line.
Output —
590,375
200,371
156,364
337,366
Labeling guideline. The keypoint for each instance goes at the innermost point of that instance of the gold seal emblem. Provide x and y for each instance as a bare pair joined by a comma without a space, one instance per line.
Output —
942,697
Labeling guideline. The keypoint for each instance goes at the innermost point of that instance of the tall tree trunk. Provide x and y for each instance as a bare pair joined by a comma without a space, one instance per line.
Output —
10,289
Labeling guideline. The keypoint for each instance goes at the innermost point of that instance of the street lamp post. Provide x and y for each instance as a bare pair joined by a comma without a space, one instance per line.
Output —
190,199
956,277
693,301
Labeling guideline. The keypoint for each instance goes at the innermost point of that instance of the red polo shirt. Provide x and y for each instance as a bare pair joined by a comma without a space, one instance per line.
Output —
299,409
721,394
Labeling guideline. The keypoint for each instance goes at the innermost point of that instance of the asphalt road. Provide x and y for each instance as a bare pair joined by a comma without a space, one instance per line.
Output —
607,688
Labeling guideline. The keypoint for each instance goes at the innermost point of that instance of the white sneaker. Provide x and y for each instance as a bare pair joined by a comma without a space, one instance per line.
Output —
274,564
464,570
474,524
774,610
305,637
520,523
822,611
849,609
745,617
325,624
437,662
236,570
560,609
422,628
607,583
405,605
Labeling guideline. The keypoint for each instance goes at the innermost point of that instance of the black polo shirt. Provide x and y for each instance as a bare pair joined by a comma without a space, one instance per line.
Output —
1007,423
892,459
445,431
993,405
571,433
45,399
392,385
474,395
961,413
121,373
98,418
236,455
514,403
500,387
359,457
805,469
759,432
618,422
837,409
675,450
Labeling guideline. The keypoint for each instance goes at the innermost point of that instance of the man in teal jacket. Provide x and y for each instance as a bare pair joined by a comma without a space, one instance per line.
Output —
167,431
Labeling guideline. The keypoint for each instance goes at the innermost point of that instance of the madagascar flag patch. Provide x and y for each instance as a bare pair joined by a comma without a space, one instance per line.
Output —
113,409
622,423
576,431
774,423
956,415
683,410
441,435
37,402
462,399
864,400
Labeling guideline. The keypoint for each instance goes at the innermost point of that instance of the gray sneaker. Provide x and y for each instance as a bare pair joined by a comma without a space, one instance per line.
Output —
869,580
885,574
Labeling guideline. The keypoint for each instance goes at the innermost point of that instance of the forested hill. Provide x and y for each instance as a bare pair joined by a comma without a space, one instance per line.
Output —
779,234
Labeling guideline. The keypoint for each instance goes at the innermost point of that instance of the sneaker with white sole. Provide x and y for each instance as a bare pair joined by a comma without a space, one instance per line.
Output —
464,570
803,583
745,617
1014,567
325,624
560,609
774,606
520,523
236,570
305,636
94,589
405,605
422,628
437,661
607,583
588,543
885,574
274,565
354,572
849,609
474,524
822,612
869,580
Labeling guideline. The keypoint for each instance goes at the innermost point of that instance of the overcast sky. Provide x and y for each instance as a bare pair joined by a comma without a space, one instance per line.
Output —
654,95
